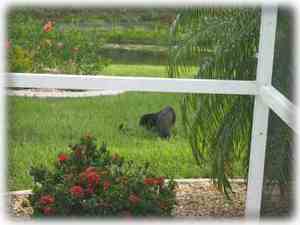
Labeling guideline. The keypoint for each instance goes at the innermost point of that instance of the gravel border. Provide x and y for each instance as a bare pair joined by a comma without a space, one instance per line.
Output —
56,93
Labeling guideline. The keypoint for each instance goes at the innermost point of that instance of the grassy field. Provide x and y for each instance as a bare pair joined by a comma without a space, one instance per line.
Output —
39,129
141,70
135,70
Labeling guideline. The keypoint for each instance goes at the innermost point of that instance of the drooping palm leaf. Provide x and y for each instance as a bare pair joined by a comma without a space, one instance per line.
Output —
223,43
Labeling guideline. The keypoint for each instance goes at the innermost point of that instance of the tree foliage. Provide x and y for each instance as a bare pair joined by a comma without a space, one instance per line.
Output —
223,43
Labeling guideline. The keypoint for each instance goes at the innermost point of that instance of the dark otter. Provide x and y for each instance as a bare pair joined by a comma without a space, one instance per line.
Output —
161,121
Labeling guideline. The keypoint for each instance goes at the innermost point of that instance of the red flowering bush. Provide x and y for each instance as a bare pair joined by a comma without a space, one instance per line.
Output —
89,181
43,46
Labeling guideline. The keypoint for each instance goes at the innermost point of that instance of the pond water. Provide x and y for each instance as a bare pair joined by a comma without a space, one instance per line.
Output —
134,53
124,54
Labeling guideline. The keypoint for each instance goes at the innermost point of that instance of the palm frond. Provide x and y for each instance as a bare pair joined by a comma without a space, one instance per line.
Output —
223,44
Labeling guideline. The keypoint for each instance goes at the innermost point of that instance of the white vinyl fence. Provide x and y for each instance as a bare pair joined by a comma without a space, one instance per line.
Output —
266,98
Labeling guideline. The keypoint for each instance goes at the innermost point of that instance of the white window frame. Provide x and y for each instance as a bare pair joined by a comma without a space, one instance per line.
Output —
266,98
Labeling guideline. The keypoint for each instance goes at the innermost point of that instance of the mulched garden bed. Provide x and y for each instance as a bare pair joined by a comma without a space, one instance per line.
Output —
194,197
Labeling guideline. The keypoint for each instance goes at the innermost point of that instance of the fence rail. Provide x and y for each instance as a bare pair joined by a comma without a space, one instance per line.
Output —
150,84
280,105
270,96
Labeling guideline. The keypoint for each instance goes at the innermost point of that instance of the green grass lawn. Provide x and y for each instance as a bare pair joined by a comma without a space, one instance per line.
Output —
38,129
141,70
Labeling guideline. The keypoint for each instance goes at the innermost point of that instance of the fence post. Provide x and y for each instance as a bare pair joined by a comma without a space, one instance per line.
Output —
260,113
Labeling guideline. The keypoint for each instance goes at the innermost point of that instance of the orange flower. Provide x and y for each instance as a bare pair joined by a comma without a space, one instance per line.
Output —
48,26
134,199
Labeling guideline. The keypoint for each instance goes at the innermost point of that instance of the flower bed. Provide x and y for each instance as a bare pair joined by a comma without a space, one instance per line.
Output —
89,181
194,197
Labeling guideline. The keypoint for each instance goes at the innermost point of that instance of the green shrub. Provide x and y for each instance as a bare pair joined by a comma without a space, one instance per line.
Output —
20,59
89,181
51,47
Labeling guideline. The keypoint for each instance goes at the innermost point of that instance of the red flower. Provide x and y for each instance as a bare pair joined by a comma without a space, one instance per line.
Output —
106,185
63,157
76,191
91,175
48,211
48,26
93,178
47,200
134,199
